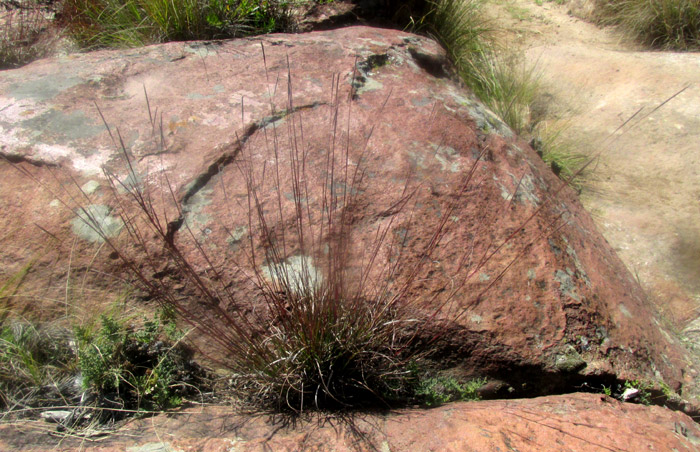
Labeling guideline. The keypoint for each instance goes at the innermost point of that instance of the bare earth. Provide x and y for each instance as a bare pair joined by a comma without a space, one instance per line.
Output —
644,190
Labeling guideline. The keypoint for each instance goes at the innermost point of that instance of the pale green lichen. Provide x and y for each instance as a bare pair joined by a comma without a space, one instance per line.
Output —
579,267
94,222
90,187
298,271
566,284
201,50
56,126
447,157
195,218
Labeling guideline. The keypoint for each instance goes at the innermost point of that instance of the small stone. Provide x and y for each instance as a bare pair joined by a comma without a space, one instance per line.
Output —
56,416
570,361
630,394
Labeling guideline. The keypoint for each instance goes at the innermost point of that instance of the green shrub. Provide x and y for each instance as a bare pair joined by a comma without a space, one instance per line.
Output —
121,368
131,367
437,390
673,24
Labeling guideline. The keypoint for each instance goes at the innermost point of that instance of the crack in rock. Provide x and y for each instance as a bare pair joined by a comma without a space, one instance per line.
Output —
231,151
17,158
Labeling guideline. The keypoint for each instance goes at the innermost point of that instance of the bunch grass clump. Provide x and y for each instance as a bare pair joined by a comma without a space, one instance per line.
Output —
20,33
35,359
36,365
508,87
133,23
550,142
667,24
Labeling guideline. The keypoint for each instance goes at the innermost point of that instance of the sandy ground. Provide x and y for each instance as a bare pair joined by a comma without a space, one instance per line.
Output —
644,190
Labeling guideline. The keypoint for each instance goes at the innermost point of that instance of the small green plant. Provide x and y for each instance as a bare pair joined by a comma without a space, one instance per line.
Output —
671,24
130,365
645,392
666,390
437,390
644,389
559,154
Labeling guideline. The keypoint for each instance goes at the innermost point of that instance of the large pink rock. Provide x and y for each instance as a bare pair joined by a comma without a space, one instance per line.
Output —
577,422
566,312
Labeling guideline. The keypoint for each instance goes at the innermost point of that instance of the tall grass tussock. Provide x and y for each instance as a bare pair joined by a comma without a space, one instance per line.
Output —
331,329
20,34
508,87
666,24
36,365
132,23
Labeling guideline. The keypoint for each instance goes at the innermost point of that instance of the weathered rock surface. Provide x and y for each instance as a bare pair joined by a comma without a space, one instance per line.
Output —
576,422
566,312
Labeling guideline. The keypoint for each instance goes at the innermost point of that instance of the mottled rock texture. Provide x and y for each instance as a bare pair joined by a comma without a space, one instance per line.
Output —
566,311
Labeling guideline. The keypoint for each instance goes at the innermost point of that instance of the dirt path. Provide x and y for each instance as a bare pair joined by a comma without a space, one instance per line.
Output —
645,190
